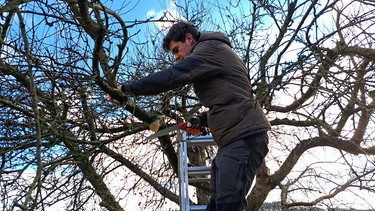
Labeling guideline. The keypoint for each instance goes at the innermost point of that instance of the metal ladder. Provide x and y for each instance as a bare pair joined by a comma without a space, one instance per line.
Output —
185,172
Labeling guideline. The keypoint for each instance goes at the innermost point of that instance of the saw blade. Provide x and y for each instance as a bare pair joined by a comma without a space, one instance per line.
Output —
163,132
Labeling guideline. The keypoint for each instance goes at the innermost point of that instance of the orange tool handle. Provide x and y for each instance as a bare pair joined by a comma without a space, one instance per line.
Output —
183,126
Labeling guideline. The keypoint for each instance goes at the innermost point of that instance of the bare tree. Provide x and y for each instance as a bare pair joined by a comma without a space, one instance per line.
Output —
62,141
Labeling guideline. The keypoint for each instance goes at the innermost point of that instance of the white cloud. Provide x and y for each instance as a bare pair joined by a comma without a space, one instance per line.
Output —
151,13
166,16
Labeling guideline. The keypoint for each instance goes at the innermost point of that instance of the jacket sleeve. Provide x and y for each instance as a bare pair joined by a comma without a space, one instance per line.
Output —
201,64
176,76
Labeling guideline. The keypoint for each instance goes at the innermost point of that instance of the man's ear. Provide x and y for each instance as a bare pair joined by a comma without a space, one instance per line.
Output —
189,39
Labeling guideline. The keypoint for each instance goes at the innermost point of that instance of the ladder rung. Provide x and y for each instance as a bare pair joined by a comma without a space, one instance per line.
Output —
200,179
199,170
196,173
200,141
198,207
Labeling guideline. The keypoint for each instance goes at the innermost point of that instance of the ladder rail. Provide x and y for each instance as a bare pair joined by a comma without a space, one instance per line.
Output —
183,176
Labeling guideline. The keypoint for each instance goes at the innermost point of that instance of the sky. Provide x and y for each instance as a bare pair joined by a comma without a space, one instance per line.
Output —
141,10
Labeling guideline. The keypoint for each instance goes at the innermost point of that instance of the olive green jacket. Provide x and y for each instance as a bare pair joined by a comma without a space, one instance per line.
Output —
221,83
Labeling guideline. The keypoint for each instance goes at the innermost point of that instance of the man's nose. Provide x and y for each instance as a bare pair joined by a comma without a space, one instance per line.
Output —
177,58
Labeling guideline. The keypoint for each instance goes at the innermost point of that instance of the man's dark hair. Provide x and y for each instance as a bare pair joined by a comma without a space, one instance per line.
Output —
178,33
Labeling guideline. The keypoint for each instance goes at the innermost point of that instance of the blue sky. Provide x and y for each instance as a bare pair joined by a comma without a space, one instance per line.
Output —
138,9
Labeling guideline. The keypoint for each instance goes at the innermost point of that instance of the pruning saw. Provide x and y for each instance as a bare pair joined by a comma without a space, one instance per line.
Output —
181,126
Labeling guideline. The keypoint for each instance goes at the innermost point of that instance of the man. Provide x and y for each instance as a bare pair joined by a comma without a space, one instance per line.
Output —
237,123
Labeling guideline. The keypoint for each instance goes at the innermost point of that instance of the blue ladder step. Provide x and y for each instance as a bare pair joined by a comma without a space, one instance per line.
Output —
198,170
196,180
200,141
198,207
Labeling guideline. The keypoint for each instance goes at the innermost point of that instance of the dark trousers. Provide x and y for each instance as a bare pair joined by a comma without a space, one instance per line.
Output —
233,171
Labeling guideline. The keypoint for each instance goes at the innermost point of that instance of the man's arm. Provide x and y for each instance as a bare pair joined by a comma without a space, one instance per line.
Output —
176,76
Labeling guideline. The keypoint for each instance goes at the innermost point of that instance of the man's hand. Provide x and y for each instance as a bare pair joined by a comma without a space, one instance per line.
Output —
109,96
124,100
194,123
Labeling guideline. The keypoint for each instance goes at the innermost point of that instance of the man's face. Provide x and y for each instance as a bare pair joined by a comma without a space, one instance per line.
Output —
179,49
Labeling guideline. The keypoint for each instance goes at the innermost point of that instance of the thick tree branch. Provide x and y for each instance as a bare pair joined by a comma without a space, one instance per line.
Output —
305,145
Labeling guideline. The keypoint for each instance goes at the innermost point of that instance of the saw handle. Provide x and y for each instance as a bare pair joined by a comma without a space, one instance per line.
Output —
183,126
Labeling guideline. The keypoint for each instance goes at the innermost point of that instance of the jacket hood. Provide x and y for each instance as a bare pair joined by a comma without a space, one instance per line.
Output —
214,36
